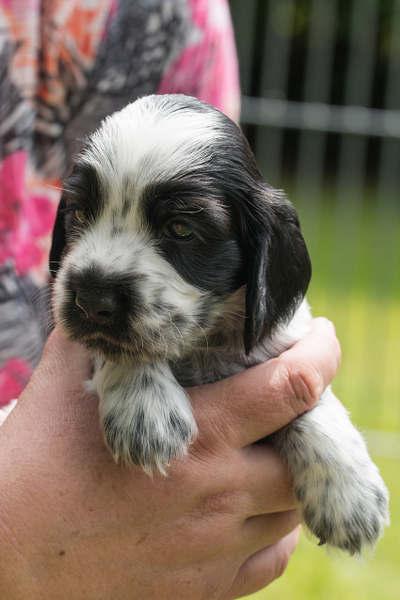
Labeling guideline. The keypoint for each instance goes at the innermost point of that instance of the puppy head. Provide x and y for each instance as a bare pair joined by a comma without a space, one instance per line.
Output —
164,216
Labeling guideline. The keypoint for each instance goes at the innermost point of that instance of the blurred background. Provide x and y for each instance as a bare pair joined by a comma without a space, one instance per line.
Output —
321,108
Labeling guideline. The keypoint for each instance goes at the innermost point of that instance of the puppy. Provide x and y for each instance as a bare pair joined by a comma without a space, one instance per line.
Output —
176,264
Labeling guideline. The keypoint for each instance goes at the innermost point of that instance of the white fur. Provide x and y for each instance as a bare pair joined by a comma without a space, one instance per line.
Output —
153,148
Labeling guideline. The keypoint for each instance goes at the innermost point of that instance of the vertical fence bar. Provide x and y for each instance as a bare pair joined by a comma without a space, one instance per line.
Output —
255,83
274,83
385,272
317,88
244,20
309,183
359,93
389,178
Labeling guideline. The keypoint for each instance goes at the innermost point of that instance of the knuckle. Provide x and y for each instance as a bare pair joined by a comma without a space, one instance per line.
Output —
304,386
214,420
337,350
219,503
210,446
325,322
328,332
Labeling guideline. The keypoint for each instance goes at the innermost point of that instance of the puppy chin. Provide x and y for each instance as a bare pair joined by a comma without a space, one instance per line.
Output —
109,350
105,347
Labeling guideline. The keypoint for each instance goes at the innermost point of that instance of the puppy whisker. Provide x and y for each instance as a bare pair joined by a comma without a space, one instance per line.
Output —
163,339
178,330
202,330
42,293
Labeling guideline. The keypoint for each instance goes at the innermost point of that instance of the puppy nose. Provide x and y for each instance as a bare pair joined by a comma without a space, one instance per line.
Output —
97,306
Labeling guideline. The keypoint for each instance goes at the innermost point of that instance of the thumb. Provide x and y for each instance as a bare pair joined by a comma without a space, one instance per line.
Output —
64,360
265,566
56,405
59,381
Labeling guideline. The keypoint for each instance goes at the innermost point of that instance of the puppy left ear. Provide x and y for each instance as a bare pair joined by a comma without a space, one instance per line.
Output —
58,240
278,265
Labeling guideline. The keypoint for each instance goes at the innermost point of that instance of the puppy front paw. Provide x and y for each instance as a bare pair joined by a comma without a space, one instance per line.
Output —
145,414
146,439
341,496
345,508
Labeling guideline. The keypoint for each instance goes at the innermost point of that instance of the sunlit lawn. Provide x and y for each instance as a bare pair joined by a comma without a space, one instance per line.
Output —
356,258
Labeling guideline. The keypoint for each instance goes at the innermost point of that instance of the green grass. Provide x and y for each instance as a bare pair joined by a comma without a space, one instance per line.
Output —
355,251
368,382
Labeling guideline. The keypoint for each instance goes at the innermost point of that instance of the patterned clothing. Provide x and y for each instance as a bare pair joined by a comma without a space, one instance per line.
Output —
65,65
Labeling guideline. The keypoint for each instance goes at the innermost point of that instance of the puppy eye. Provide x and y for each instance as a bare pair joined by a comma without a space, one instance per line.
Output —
179,231
80,215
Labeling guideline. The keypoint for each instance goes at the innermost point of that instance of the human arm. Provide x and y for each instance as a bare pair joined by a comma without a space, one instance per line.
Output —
222,524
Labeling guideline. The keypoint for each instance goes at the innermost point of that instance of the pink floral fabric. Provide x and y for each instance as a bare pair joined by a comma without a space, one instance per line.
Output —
207,67
25,218
65,65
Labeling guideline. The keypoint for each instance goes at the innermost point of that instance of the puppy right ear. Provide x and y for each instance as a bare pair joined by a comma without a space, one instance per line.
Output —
59,239
279,267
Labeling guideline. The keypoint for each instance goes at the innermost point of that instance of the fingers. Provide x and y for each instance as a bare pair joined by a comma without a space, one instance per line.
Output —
265,530
263,567
266,479
255,403
62,373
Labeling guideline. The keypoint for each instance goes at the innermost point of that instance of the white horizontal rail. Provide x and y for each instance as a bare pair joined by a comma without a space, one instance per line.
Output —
316,116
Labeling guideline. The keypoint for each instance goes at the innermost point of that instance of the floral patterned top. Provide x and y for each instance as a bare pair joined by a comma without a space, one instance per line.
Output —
65,65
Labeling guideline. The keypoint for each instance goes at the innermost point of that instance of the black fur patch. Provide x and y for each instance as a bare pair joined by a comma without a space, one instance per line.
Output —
212,260
81,191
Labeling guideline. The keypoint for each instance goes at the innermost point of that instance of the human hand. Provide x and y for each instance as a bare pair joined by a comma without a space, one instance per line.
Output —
221,525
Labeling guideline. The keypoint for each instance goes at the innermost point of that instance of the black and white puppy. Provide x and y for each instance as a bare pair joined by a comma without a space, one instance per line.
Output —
177,264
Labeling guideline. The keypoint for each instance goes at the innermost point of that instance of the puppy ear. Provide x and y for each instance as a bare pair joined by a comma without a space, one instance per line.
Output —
59,239
278,265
